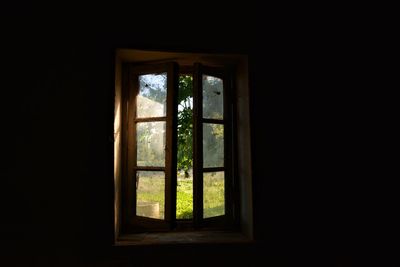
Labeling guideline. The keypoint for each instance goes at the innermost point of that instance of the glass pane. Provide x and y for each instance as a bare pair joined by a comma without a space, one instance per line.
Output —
213,97
184,200
151,100
150,188
213,145
150,143
214,194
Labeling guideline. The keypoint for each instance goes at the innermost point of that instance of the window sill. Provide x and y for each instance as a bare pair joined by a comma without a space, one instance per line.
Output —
195,237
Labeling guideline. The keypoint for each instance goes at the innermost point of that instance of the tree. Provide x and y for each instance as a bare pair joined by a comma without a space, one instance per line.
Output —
185,124
213,133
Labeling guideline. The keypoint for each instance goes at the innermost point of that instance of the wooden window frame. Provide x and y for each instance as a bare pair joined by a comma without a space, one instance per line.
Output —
238,210
131,222
227,220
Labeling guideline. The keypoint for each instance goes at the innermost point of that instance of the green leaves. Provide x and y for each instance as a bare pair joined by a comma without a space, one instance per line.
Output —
185,123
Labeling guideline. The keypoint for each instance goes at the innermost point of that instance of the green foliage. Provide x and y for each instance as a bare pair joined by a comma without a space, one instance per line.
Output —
214,187
185,123
184,203
152,191
185,87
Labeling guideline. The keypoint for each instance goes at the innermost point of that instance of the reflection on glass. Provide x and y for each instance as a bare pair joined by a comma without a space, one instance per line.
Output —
151,100
214,194
150,137
213,145
150,188
184,198
213,96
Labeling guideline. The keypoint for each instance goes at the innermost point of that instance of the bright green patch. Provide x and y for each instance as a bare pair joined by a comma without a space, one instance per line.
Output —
213,201
184,199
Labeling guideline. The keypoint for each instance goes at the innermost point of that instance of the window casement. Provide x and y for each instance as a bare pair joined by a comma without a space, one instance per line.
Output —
151,92
181,144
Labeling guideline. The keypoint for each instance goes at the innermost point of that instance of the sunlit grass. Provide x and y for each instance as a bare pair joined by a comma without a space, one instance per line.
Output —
184,199
213,196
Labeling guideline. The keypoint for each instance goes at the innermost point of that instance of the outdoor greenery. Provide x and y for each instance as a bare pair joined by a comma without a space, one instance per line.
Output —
185,124
213,185
214,197
213,202
151,189
184,196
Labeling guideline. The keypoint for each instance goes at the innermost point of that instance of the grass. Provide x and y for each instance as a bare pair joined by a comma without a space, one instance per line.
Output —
214,197
151,189
184,199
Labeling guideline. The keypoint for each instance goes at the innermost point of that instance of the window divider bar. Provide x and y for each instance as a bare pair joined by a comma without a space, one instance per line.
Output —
234,151
131,154
215,121
150,119
171,145
228,139
174,142
197,146
214,169
125,216
149,168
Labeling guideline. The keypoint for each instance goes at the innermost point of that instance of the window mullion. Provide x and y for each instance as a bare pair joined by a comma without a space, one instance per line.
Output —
131,144
197,146
228,139
171,144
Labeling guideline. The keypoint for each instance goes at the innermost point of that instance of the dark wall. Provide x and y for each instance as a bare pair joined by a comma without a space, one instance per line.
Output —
57,109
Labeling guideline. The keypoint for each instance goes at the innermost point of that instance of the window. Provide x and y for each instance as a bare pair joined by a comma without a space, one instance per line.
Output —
176,144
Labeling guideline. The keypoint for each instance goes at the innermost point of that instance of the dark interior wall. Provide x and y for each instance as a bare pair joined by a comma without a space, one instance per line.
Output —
57,109
57,200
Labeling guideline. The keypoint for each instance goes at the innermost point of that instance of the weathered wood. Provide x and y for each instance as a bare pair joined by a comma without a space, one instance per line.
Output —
150,119
197,146
136,223
132,91
171,147
125,202
214,169
148,168
228,143
214,121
